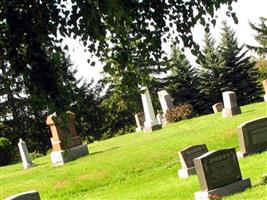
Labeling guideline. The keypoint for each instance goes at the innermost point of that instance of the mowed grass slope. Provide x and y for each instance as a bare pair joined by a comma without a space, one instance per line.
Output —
139,165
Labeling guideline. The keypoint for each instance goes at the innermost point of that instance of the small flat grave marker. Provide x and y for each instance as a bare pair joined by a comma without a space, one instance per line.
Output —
187,156
219,174
252,136
30,195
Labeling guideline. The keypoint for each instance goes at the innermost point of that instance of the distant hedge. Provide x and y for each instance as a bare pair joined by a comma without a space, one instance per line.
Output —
7,153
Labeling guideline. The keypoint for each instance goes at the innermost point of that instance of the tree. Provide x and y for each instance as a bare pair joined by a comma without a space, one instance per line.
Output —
30,29
182,81
210,75
261,36
238,73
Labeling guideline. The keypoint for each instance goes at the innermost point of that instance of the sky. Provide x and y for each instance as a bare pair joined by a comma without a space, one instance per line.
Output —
246,10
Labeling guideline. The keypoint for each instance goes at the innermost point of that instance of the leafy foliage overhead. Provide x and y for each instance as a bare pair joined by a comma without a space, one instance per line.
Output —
30,29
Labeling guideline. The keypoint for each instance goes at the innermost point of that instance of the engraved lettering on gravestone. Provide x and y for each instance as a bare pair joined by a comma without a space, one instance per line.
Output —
218,168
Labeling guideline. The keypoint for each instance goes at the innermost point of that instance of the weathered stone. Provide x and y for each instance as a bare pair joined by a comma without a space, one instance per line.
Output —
217,107
230,104
151,122
165,100
63,139
66,143
187,157
217,168
252,136
140,120
30,195
159,118
24,154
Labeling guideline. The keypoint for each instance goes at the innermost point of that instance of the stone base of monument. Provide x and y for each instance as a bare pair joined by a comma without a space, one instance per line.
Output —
236,187
241,154
152,128
61,157
229,112
265,97
30,195
138,129
185,173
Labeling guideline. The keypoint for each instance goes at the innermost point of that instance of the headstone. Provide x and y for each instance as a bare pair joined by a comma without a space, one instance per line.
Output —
66,143
219,174
230,104
265,89
140,120
165,100
187,157
30,195
24,154
217,107
160,118
252,136
151,122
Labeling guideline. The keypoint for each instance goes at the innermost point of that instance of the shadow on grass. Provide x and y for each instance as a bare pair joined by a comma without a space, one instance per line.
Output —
103,151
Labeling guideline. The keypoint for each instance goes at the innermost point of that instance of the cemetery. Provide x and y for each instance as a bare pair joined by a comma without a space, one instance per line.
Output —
118,100
143,165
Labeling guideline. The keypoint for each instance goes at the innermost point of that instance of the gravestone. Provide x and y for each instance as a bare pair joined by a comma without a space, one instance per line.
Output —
30,195
160,118
140,120
252,136
219,174
217,107
265,89
230,104
151,122
66,143
187,157
165,100
24,154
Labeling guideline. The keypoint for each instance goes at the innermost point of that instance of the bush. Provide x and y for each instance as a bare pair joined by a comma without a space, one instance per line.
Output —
180,112
7,153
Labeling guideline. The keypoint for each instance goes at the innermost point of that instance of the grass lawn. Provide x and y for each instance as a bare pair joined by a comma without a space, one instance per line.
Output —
140,165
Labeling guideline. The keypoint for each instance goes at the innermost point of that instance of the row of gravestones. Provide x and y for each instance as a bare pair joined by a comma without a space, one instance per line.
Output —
148,122
251,138
218,171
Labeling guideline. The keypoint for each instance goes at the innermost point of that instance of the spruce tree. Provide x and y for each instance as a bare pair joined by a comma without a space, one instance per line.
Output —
261,36
210,74
182,80
238,73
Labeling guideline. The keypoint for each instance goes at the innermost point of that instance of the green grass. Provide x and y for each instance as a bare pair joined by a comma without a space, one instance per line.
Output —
139,165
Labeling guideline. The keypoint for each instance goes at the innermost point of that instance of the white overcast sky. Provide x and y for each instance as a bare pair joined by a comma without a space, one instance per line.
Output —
246,10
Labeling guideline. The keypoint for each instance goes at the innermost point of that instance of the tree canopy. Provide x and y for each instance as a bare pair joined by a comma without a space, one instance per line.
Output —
29,30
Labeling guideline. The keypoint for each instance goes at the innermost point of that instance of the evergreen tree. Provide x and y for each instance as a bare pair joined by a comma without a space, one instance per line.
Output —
210,74
182,80
261,36
238,73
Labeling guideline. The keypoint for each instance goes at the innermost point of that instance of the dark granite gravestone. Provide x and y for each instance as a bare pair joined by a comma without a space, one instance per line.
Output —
252,136
219,174
187,156
30,195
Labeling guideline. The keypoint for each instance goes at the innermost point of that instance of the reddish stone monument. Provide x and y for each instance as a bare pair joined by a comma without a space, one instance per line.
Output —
65,139
265,89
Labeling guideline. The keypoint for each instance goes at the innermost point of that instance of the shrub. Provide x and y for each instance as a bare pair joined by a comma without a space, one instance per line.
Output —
180,112
7,153
36,155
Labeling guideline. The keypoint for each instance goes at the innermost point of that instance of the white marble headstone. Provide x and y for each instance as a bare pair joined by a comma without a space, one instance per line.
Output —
24,154
165,100
150,119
